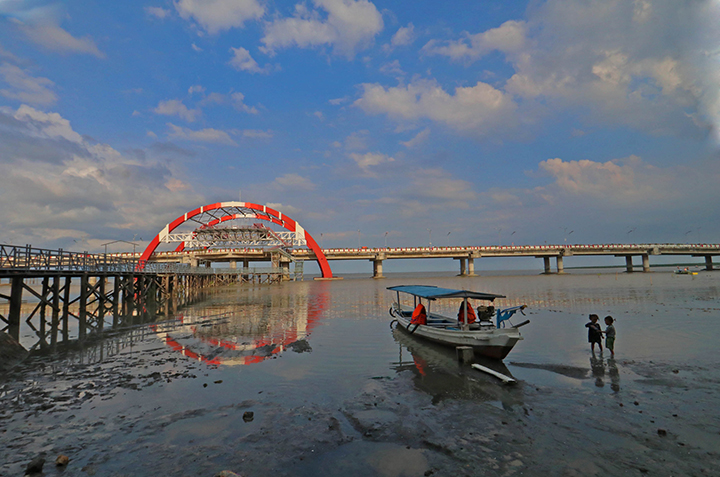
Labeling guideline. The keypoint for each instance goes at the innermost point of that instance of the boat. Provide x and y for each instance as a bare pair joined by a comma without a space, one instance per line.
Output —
435,371
492,340
685,271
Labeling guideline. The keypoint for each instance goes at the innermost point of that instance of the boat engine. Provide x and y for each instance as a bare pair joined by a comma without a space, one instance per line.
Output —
485,313
485,316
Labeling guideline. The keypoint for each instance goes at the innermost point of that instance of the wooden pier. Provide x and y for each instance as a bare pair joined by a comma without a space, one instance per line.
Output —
64,296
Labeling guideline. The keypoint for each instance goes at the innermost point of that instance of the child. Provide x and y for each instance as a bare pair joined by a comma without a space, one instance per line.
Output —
594,333
610,335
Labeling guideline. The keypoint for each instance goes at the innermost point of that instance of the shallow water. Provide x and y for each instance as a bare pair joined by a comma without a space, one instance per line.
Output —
332,387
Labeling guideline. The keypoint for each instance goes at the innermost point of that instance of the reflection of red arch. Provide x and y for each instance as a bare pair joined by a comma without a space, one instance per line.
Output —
246,209
315,309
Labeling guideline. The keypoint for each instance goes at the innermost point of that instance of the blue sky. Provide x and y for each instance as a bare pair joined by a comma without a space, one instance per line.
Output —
492,121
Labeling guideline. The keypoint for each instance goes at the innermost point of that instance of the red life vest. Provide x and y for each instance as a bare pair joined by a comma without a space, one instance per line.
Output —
471,313
419,316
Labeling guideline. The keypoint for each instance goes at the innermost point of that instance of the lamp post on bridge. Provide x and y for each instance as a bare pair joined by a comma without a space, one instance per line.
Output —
448,238
429,236
358,239
386,234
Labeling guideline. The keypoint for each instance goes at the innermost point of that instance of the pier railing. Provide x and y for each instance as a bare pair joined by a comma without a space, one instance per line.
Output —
14,259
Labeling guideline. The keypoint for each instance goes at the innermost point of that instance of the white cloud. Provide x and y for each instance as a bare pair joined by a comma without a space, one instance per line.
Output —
392,68
24,87
48,125
238,100
350,26
294,182
368,160
591,178
10,57
157,12
175,107
403,37
357,141
508,38
213,98
257,134
420,138
439,184
630,63
339,101
285,209
481,109
203,135
196,48
219,15
196,89
429,190
51,36
85,191
243,61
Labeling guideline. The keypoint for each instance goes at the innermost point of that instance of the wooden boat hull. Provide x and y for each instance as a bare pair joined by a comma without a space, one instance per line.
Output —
494,343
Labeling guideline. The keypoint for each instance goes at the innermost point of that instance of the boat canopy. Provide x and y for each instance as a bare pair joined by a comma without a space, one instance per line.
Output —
432,292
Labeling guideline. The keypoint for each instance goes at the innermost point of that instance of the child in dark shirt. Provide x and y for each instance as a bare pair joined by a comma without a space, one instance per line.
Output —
594,332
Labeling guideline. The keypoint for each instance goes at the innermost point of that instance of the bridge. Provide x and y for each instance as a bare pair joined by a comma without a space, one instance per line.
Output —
466,256
206,235
96,291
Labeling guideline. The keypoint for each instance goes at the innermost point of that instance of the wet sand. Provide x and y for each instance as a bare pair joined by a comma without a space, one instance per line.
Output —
334,391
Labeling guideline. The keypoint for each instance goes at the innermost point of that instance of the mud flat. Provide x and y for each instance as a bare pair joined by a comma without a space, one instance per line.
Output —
351,397
110,419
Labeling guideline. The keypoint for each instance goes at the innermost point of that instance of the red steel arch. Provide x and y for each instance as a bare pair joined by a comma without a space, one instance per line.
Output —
234,210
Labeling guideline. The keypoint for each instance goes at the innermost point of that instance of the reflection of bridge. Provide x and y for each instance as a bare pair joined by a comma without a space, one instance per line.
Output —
465,255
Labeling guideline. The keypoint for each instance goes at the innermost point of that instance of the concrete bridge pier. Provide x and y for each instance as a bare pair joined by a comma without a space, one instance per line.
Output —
628,263
546,263
285,267
646,262
463,270
377,265
377,268
471,267
560,266
708,263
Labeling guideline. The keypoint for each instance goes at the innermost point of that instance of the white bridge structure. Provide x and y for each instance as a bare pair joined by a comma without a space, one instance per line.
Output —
636,256
256,235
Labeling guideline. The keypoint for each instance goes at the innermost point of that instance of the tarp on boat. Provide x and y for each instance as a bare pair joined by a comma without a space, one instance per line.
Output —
432,293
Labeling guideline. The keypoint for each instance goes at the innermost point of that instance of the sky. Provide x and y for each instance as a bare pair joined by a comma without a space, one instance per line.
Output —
477,122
